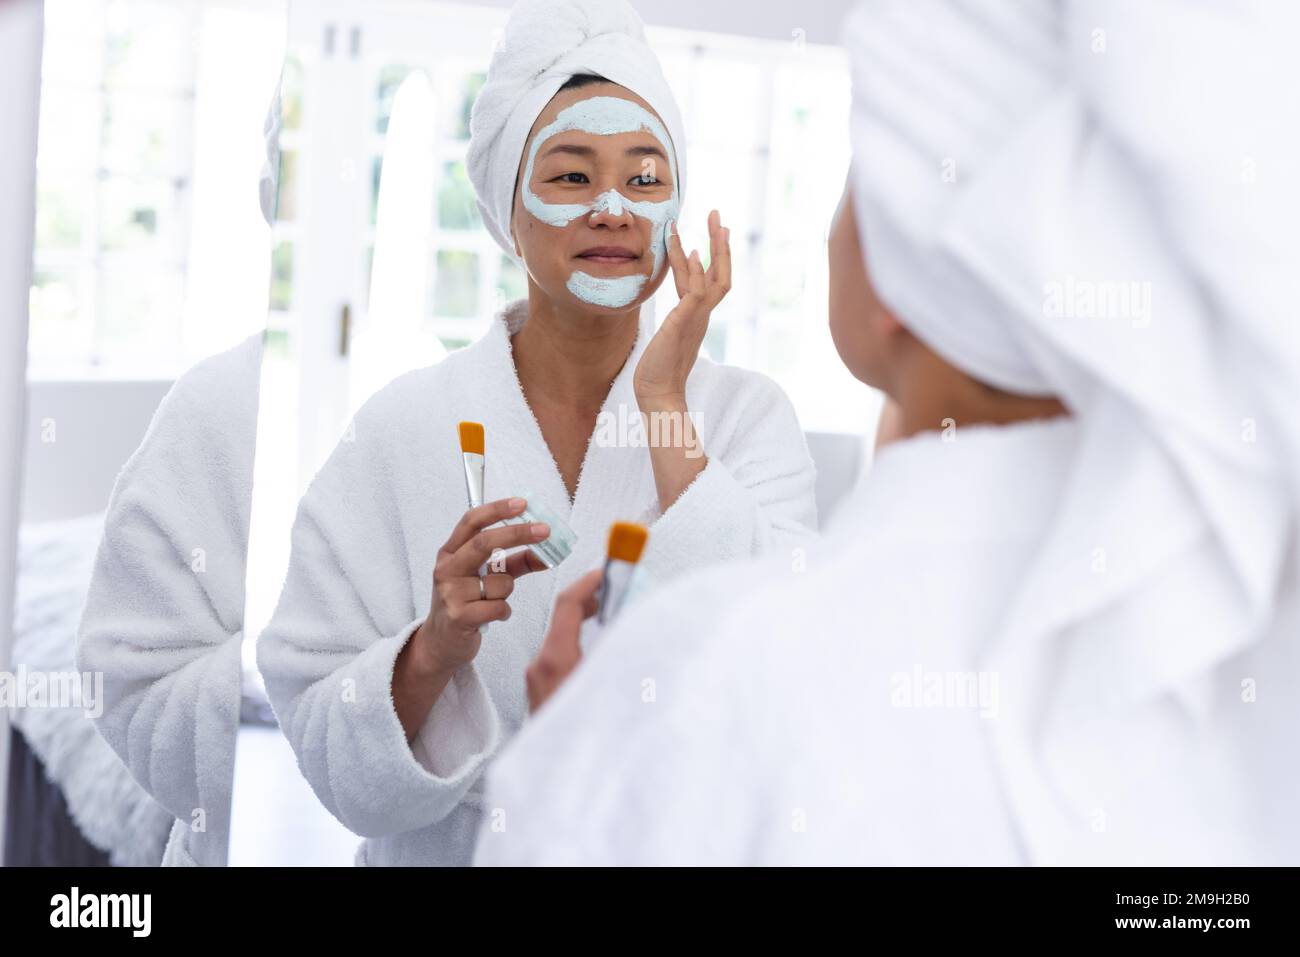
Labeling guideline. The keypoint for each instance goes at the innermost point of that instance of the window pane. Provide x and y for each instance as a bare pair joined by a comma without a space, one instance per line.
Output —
457,106
457,206
810,150
60,323
150,46
376,178
452,343
455,284
512,281
390,81
286,210
291,94
730,120
69,136
133,213
676,62
61,202
138,316
74,42
276,344
724,180
282,276
715,341
141,134
783,275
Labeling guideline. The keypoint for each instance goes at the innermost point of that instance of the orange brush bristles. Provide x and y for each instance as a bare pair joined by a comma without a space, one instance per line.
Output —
471,437
626,541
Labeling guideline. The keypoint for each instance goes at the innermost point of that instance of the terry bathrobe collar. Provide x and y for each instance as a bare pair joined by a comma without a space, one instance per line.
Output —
495,350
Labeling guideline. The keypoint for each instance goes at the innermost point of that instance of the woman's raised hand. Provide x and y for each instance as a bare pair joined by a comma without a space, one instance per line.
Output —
561,648
660,379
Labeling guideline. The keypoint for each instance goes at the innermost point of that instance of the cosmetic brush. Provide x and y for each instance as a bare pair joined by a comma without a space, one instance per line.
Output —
471,451
557,546
626,543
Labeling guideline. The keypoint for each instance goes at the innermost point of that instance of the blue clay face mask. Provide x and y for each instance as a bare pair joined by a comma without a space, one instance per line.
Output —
607,116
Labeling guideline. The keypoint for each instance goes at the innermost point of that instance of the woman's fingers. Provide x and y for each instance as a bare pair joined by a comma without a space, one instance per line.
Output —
696,282
677,259
476,614
689,274
479,518
522,563
467,559
719,275
561,650
469,608
495,587
720,268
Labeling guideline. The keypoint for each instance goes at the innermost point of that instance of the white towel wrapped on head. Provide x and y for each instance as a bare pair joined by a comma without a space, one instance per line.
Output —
547,42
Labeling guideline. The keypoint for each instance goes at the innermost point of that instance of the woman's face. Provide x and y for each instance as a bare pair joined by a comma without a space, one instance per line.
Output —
596,193
864,331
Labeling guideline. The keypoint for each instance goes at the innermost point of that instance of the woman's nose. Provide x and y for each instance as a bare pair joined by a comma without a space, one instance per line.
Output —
610,209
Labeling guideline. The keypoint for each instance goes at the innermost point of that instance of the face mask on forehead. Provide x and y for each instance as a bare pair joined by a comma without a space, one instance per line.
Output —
607,116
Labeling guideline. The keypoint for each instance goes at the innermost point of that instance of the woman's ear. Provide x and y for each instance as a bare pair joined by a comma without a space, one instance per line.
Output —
888,321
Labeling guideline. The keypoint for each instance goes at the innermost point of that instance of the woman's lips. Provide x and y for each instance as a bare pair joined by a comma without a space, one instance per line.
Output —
613,255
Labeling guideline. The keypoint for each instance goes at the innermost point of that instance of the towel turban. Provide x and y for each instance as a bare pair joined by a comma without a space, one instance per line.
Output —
546,42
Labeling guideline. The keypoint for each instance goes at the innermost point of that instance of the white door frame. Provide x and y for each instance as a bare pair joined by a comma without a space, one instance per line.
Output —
21,40
339,40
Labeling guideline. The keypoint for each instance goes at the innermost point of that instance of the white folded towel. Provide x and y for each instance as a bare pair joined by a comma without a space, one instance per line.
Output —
545,43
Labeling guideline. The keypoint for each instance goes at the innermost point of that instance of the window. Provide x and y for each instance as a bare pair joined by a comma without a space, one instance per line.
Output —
767,144
767,141
150,148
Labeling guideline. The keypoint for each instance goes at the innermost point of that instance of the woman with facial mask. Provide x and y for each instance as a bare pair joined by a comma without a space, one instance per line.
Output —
395,659
1057,623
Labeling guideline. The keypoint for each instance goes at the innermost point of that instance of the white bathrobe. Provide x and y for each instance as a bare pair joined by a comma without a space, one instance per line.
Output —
368,530
164,617
843,713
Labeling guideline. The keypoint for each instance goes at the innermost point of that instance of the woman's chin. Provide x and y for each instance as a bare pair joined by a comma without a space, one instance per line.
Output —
609,294
610,309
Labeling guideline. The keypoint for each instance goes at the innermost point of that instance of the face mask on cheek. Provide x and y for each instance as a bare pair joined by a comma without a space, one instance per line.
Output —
606,116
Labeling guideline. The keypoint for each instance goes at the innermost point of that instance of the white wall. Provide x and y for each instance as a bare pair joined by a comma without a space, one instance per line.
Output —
20,74
79,435
770,19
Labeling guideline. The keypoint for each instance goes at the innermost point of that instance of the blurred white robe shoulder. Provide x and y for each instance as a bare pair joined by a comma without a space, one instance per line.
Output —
844,713
370,526
164,616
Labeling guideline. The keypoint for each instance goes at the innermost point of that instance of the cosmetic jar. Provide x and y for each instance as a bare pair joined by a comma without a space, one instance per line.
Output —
557,546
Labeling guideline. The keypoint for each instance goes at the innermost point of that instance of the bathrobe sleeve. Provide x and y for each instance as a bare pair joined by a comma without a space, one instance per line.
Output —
328,653
755,496
163,620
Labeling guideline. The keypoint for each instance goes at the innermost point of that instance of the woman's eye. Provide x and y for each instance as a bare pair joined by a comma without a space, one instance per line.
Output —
571,178
645,179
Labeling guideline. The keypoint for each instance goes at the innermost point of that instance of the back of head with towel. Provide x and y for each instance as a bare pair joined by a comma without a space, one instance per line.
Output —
1066,639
